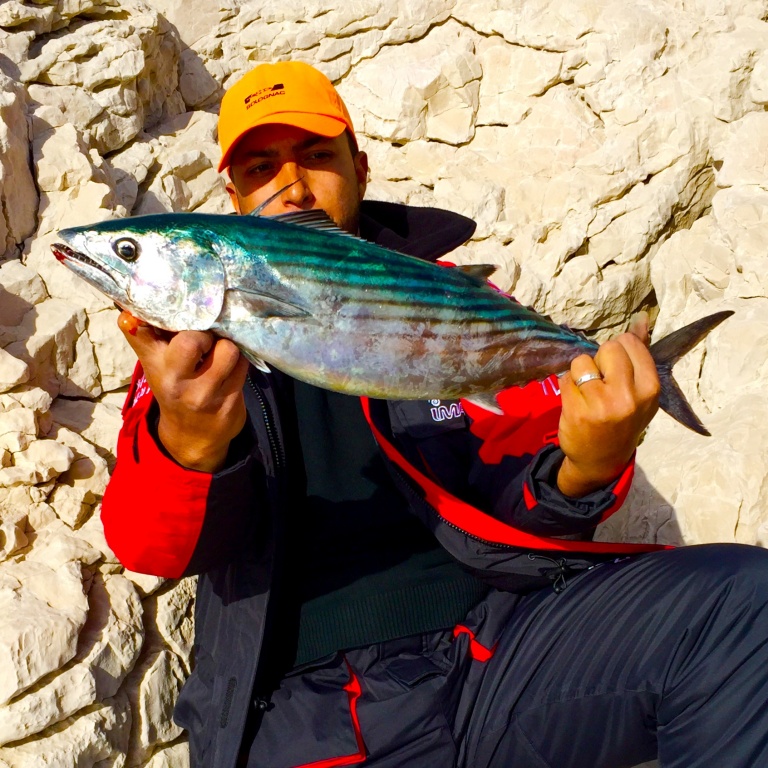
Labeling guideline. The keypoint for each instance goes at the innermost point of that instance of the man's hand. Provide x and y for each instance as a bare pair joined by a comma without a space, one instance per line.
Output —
603,419
197,380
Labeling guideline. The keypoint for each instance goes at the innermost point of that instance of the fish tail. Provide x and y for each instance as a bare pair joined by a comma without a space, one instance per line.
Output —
667,352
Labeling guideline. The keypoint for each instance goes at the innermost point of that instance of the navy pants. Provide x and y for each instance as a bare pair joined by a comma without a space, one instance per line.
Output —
661,655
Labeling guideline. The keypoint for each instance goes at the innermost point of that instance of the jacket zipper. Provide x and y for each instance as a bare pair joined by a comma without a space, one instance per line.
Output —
559,580
274,441
408,483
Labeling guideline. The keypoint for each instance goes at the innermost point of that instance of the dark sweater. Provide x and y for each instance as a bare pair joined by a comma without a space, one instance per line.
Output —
370,571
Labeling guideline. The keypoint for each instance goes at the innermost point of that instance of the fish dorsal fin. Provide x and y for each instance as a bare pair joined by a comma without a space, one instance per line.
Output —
314,219
479,273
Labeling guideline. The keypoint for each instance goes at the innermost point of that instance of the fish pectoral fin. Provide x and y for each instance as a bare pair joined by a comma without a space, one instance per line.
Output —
257,362
262,305
486,401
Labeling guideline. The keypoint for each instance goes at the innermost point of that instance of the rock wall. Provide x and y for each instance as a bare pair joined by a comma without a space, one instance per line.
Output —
614,154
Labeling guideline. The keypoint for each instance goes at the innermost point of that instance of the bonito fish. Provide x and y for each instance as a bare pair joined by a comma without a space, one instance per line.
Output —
336,311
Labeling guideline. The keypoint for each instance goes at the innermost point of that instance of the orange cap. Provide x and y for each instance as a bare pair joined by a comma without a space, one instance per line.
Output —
289,93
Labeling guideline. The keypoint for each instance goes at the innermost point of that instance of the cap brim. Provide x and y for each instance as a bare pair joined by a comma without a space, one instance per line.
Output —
322,125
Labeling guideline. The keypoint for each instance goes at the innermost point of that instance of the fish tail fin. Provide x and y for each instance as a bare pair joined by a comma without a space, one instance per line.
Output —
667,352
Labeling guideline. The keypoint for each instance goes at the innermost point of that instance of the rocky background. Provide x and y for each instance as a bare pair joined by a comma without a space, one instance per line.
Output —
613,152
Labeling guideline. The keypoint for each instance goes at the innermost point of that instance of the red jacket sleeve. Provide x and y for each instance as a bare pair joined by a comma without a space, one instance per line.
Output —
161,518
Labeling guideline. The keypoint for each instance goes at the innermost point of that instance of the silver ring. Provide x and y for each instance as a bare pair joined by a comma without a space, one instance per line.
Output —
587,377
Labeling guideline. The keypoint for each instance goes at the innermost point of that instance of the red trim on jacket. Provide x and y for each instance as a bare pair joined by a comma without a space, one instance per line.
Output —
621,489
353,690
528,497
481,525
142,539
477,651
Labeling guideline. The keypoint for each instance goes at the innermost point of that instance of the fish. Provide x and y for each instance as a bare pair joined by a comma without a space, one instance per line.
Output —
295,292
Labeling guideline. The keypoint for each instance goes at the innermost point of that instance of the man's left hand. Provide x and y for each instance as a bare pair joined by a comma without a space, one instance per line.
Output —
603,419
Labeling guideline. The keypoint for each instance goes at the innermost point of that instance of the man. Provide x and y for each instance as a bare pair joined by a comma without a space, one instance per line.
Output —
419,590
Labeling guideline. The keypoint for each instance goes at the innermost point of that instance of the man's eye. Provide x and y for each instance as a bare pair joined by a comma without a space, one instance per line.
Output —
261,168
319,156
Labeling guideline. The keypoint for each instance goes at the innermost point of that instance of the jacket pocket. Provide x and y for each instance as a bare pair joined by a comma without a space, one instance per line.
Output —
409,703
311,721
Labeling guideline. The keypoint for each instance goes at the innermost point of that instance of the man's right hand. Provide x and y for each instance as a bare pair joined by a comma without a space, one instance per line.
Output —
197,380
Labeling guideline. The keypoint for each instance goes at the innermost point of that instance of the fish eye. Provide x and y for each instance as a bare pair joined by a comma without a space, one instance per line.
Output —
126,248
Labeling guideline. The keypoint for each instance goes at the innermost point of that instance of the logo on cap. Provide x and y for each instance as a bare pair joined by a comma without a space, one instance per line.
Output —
278,89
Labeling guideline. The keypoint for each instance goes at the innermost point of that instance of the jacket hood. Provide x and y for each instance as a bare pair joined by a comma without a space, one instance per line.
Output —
427,233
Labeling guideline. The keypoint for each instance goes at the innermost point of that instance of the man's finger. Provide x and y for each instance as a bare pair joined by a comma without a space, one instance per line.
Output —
638,326
643,365
584,375
142,337
644,372
614,361
187,351
225,365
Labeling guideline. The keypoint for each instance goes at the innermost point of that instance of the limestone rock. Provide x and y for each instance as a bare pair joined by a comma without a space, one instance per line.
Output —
56,546
435,96
130,168
188,180
125,70
759,83
30,397
159,678
19,502
18,197
20,289
115,359
744,154
17,428
145,583
725,77
108,647
81,486
92,532
12,371
46,457
513,76
174,618
726,502
98,423
45,610
176,756
53,343
97,736
539,25
12,536
15,476
88,470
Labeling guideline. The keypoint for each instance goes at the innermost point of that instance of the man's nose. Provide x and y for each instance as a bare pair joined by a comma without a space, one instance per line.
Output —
297,191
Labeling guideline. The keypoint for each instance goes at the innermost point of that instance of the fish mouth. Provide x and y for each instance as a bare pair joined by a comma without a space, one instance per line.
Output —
87,268
63,252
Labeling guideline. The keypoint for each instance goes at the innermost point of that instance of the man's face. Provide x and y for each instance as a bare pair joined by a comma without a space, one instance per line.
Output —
327,174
